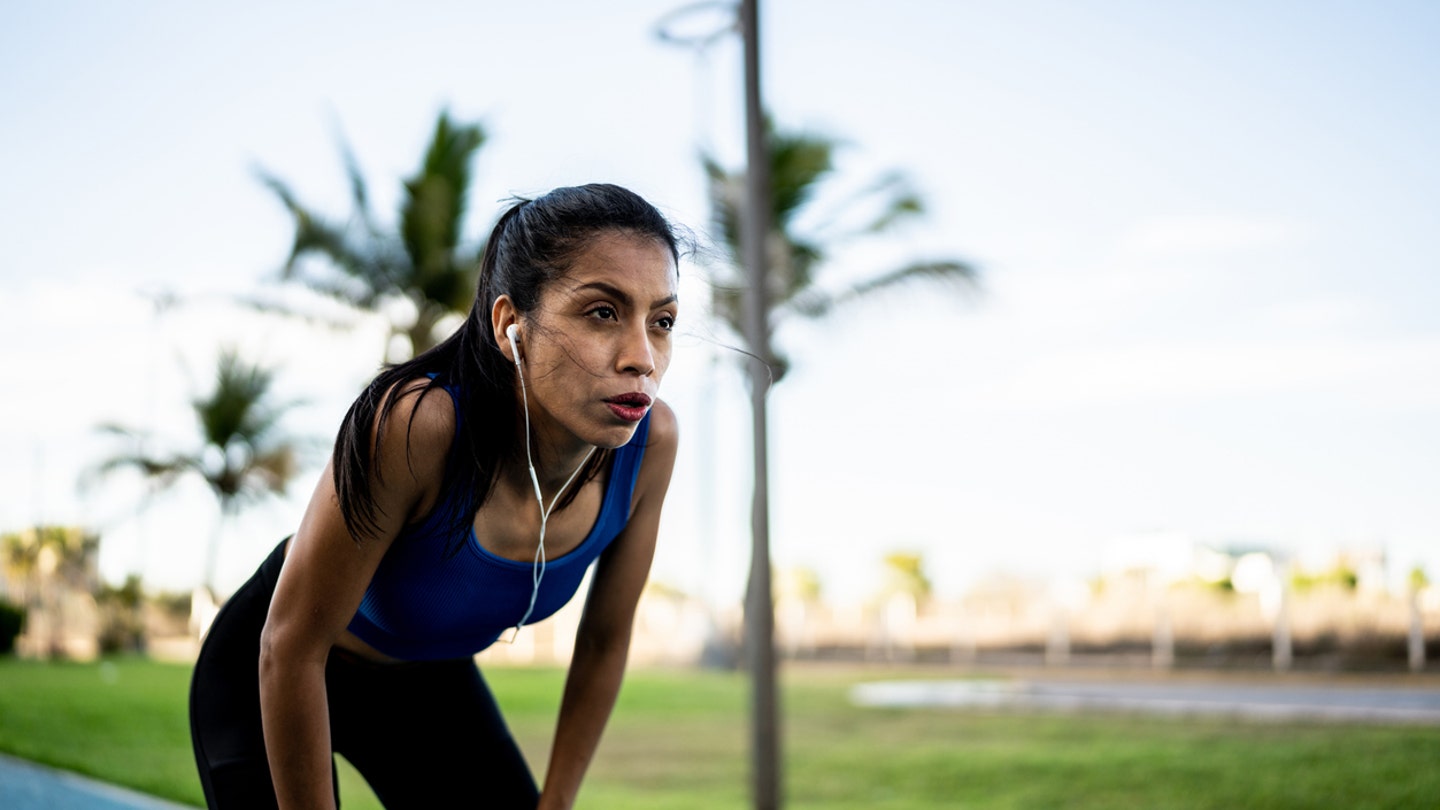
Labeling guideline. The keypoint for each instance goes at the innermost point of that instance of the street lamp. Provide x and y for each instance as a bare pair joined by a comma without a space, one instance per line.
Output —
755,232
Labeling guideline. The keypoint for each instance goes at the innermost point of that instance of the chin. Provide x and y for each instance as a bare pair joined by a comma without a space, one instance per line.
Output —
614,437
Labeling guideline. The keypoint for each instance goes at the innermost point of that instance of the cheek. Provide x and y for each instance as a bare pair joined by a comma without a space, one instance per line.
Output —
662,361
579,362
566,358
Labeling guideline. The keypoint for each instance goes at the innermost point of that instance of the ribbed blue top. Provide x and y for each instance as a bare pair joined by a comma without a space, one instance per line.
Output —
425,604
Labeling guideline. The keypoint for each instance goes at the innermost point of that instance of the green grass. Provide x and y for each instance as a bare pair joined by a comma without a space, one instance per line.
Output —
678,740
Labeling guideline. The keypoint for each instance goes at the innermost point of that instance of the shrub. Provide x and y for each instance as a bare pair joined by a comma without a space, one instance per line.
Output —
12,620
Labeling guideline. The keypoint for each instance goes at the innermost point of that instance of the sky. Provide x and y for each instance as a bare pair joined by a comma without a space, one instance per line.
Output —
1207,236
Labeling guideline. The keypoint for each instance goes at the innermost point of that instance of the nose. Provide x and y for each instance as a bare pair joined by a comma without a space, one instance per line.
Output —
636,355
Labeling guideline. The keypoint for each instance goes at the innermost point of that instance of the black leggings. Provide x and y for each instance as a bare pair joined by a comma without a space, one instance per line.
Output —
422,734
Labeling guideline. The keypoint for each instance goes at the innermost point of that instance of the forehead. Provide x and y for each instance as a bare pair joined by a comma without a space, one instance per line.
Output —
640,265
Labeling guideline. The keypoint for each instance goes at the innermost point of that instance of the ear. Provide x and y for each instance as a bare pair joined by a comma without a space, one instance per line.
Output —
502,315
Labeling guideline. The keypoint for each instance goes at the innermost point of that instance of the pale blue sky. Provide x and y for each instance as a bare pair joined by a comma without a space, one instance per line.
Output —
1208,237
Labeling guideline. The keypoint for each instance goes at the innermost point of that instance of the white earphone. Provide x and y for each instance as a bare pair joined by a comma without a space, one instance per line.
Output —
513,332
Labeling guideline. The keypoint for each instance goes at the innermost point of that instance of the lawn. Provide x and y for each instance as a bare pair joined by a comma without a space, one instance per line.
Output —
678,740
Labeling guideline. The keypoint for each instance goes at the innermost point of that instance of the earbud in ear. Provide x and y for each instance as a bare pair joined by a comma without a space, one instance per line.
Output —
513,332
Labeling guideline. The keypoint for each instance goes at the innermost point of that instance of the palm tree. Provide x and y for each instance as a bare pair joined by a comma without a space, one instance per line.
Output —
45,563
243,457
801,168
905,574
423,263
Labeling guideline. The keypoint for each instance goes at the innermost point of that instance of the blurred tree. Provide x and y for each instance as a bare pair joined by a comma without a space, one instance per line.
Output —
1417,580
1341,575
905,573
12,621
797,596
801,168
422,264
122,623
20,564
664,590
800,582
242,456
43,564
66,553
1415,642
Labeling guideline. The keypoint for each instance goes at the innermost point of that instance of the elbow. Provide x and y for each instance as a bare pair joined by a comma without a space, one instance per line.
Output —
280,653
270,657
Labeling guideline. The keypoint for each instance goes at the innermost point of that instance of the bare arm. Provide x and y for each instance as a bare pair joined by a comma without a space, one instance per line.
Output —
324,578
598,665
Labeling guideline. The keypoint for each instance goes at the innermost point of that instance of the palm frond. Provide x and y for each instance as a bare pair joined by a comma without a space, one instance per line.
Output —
880,205
278,187
161,471
817,304
274,468
800,243
434,206
117,429
149,466
794,270
725,301
900,208
236,409
359,191
811,303
799,164
370,264
726,191
421,258
242,456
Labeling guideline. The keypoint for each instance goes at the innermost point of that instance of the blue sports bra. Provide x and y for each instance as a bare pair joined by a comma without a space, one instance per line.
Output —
426,603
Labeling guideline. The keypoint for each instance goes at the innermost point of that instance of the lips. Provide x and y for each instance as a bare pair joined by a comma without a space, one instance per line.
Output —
630,407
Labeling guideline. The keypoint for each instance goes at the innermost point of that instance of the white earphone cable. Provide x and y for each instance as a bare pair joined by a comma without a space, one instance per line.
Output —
538,569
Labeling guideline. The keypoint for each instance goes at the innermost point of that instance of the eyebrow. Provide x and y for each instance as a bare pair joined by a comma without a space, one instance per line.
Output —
622,296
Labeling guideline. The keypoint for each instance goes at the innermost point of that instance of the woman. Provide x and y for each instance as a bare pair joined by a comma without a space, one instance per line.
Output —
469,490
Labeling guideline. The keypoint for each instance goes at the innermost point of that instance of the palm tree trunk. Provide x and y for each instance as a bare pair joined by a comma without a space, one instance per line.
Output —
422,332
212,551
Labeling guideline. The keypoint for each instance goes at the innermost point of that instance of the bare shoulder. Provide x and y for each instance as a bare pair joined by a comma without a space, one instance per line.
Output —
421,427
664,429
660,448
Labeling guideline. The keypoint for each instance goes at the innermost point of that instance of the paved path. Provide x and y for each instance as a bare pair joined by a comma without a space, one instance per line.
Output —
1261,701
27,786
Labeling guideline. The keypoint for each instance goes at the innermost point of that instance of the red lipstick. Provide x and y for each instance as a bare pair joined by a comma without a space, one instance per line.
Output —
630,407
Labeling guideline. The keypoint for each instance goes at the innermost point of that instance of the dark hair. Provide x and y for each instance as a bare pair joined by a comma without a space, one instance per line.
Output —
533,243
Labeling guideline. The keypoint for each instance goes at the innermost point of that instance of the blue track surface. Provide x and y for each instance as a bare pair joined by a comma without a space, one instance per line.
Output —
26,786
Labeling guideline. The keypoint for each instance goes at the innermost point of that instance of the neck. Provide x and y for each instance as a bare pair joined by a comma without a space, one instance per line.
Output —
553,455
555,452
555,465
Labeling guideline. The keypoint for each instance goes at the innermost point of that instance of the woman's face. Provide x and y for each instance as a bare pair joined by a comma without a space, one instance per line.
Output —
598,344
